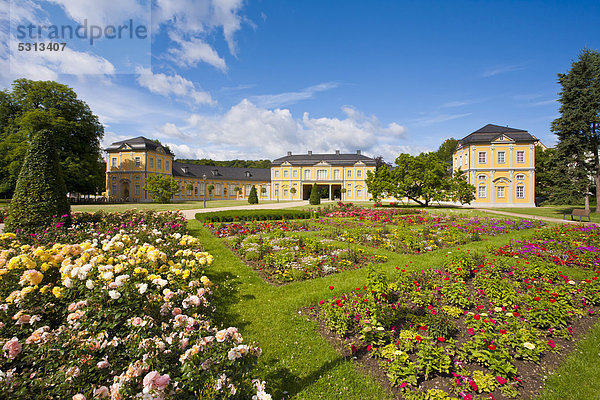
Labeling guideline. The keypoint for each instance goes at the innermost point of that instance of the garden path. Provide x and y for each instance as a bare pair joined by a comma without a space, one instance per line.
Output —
191,214
529,216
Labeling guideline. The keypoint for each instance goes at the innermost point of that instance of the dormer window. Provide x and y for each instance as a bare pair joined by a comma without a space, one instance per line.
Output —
185,170
248,174
215,172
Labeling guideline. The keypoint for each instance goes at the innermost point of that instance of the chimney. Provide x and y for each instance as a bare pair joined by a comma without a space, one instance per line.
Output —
358,152
310,152
337,152
289,153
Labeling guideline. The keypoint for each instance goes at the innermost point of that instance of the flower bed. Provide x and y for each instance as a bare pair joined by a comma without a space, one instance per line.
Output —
473,327
252,228
574,246
282,258
430,232
124,312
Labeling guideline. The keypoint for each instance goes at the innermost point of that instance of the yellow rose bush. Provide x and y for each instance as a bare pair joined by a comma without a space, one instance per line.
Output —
124,312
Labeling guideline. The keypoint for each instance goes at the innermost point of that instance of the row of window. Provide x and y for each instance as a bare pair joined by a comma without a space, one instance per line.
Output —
500,192
500,157
137,162
321,174
519,177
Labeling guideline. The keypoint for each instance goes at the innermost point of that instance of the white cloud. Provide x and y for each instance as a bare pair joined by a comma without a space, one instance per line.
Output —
249,131
191,52
501,69
171,130
288,98
436,119
167,85
102,13
191,23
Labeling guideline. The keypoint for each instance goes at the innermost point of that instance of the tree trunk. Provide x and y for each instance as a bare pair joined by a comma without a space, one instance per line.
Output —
587,197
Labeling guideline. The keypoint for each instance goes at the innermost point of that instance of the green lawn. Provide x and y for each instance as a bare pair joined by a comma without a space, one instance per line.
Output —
549,211
298,363
183,205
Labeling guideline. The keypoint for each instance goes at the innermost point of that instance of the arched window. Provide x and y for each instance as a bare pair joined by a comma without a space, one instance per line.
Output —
482,191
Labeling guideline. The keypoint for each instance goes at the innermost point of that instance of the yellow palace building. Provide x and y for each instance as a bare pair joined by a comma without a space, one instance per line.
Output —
338,176
500,162
130,161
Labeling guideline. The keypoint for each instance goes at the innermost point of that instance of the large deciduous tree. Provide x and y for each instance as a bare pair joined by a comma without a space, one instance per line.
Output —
32,106
161,188
578,127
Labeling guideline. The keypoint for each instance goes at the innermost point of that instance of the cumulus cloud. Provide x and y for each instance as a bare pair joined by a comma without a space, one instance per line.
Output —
171,85
191,52
103,13
249,131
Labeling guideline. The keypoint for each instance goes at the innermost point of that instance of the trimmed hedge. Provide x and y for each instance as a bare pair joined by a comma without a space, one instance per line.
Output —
251,215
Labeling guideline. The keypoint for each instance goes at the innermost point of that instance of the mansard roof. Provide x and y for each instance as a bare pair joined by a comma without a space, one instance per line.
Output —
335,159
186,170
490,132
137,143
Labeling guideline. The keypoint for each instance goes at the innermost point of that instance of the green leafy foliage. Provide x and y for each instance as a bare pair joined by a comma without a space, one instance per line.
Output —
314,199
161,188
41,192
251,215
35,105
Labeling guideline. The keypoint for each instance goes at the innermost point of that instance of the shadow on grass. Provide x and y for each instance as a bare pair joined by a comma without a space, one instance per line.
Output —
285,384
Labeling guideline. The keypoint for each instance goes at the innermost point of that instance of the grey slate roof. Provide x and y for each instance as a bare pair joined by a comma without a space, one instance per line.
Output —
490,132
221,173
333,159
137,143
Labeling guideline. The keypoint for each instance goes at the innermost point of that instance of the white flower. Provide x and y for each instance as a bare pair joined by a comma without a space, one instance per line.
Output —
571,282
107,275
68,283
143,288
114,294
529,346
89,284
121,279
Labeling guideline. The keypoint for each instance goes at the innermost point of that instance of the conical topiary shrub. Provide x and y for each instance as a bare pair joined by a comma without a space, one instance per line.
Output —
314,196
40,193
253,196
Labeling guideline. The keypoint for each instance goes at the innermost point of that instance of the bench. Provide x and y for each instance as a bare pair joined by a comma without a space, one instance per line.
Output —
578,212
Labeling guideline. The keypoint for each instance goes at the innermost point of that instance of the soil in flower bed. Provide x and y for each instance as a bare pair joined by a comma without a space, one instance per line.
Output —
478,326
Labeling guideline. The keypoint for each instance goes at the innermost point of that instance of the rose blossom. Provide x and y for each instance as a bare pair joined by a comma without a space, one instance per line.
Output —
13,347
79,396
154,380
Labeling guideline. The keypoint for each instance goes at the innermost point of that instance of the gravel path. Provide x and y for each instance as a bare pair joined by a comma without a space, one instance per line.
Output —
548,219
191,214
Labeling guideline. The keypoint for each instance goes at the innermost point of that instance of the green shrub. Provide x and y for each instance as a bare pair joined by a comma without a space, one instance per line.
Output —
40,193
253,197
314,199
251,215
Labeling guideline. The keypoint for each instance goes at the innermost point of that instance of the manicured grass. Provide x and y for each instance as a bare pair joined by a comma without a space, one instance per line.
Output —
184,205
297,361
550,211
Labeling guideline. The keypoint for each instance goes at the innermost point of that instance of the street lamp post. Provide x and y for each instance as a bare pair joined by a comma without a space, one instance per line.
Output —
204,179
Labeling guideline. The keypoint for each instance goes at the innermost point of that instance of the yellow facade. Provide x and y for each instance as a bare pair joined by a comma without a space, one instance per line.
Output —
342,177
129,162
501,166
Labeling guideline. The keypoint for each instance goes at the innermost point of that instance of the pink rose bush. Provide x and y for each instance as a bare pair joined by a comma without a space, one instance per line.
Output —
125,311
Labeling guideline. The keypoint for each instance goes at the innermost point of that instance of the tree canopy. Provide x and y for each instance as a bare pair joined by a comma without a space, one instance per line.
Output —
422,179
161,188
578,127
33,106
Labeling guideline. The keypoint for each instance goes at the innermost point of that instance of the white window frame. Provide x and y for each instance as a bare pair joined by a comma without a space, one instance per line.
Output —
137,161
349,174
520,156
336,174
501,157
295,173
482,155
359,174
520,177
217,189
520,192
307,174
202,189
321,174
479,191
159,164
285,173
482,177
500,192
114,161
276,172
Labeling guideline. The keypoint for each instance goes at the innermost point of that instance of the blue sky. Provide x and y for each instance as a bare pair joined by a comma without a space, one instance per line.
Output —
254,79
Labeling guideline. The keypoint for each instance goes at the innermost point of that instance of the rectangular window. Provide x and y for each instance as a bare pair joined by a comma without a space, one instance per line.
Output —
114,189
188,190
358,193
359,175
247,189
137,190
202,189
349,193
501,157
482,192
321,174
349,174
151,162
232,190
295,174
159,163
166,165
114,161
307,174
138,162
217,189
285,173
336,174
276,174
285,192
276,192
520,157
520,192
500,192
482,159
